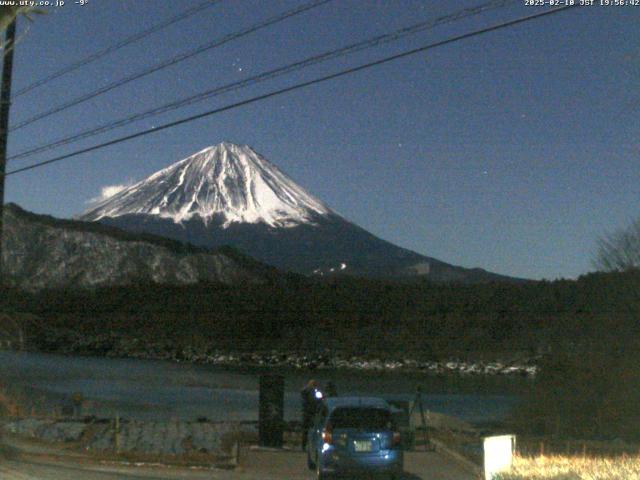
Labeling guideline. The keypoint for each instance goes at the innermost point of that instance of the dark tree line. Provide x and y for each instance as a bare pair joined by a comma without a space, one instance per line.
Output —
359,315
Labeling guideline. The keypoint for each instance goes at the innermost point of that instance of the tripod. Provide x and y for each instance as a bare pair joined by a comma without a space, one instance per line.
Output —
417,402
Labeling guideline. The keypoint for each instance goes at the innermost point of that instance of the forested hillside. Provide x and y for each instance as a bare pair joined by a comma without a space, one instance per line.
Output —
353,315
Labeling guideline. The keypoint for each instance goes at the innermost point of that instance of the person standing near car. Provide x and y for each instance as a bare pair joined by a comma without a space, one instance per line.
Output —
330,389
310,396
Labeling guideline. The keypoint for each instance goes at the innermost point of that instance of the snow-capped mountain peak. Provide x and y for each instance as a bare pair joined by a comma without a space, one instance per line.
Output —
227,181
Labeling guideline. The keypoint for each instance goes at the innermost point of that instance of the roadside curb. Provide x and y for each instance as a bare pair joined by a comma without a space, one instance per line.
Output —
18,449
75,459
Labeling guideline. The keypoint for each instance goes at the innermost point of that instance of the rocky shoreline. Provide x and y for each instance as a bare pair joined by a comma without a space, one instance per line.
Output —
114,346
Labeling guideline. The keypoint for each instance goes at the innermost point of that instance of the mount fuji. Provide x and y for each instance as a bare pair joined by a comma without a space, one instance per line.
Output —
228,194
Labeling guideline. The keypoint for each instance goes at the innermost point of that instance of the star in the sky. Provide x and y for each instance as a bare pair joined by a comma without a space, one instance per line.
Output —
236,64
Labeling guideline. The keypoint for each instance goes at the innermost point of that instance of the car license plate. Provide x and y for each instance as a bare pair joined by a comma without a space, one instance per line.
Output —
362,445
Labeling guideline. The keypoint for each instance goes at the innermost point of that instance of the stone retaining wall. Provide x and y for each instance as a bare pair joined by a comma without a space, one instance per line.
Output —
172,437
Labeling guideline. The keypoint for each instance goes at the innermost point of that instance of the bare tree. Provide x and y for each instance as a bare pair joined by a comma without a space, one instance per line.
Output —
620,250
9,13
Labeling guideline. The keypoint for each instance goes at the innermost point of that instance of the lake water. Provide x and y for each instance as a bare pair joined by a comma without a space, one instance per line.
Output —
151,389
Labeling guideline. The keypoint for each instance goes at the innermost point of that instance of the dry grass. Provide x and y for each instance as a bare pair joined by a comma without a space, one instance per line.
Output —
562,467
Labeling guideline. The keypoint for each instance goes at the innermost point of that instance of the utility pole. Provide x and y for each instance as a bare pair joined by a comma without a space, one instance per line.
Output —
5,103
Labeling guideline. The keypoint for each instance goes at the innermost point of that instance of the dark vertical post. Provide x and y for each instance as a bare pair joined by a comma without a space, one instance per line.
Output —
271,414
5,103
423,420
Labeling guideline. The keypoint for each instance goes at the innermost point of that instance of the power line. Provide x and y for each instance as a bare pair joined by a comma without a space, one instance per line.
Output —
268,75
172,61
298,86
117,46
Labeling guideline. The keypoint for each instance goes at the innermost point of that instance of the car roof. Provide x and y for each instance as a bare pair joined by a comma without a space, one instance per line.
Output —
358,402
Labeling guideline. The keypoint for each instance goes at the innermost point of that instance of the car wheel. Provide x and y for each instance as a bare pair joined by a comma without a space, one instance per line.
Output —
320,475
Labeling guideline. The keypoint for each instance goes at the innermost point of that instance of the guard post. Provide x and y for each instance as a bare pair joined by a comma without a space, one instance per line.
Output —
271,412
77,399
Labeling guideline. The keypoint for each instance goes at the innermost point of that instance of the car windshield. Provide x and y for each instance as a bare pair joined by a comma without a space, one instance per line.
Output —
361,418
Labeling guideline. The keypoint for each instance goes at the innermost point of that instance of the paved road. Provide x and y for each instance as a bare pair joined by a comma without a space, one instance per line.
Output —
293,465
254,465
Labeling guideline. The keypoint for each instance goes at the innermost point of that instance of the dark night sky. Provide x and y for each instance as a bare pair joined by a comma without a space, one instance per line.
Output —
512,151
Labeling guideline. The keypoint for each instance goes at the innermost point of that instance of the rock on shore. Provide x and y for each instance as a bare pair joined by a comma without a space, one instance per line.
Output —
310,362
113,345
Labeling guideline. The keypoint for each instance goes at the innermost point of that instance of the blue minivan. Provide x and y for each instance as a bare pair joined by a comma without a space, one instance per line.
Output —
354,435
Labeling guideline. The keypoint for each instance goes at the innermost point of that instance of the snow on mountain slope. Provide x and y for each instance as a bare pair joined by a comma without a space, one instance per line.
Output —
229,195
230,182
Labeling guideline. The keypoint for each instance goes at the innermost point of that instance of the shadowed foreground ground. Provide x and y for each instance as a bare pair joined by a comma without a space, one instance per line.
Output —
21,460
